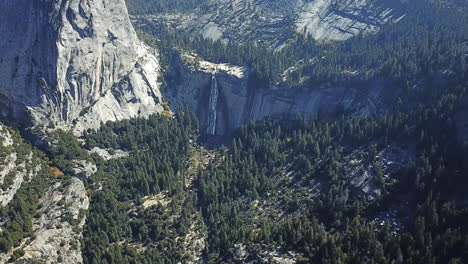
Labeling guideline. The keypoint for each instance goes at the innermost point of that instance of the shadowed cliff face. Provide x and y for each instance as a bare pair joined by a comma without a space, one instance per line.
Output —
74,62
241,98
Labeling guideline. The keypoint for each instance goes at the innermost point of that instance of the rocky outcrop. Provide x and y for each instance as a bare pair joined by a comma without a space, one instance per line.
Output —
58,230
338,20
83,168
108,154
367,174
190,83
234,20
61,211
74,63
274,22
256,253
17,167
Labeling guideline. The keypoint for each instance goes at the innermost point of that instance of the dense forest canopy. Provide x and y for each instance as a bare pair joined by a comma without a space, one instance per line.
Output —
141,7
282,183
334,225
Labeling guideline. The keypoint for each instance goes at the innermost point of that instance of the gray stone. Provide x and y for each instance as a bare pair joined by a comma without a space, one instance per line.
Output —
74,64
83,168
108,154
332,20
22,170
55,238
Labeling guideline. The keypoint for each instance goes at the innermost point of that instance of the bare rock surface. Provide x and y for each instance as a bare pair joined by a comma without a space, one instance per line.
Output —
58,230
264,254
74,64
108,154
57,225
239,103
369,173
83,168
332,20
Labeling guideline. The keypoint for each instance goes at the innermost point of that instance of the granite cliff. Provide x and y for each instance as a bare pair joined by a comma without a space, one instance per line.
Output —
74,64
239,99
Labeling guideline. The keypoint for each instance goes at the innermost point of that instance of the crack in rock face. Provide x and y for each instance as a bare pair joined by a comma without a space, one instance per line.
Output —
63,60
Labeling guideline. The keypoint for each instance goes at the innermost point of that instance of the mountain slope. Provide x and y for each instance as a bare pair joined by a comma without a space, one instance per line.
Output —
272,22
42,211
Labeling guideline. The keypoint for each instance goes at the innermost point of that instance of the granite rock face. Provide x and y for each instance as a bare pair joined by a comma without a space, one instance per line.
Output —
276,21
74,63
338,20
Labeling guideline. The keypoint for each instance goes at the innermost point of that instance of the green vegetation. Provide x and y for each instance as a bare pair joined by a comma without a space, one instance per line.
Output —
293,170
119,229
65,150
334,224
281,183
161,6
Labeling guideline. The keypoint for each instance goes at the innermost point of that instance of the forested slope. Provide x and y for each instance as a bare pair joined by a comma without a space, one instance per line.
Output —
284,186
287,184
39,203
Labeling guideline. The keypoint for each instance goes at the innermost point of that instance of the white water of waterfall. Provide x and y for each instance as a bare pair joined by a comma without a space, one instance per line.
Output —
211,129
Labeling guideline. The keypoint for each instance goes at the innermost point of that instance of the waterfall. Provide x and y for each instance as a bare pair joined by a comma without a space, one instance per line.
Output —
211,129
